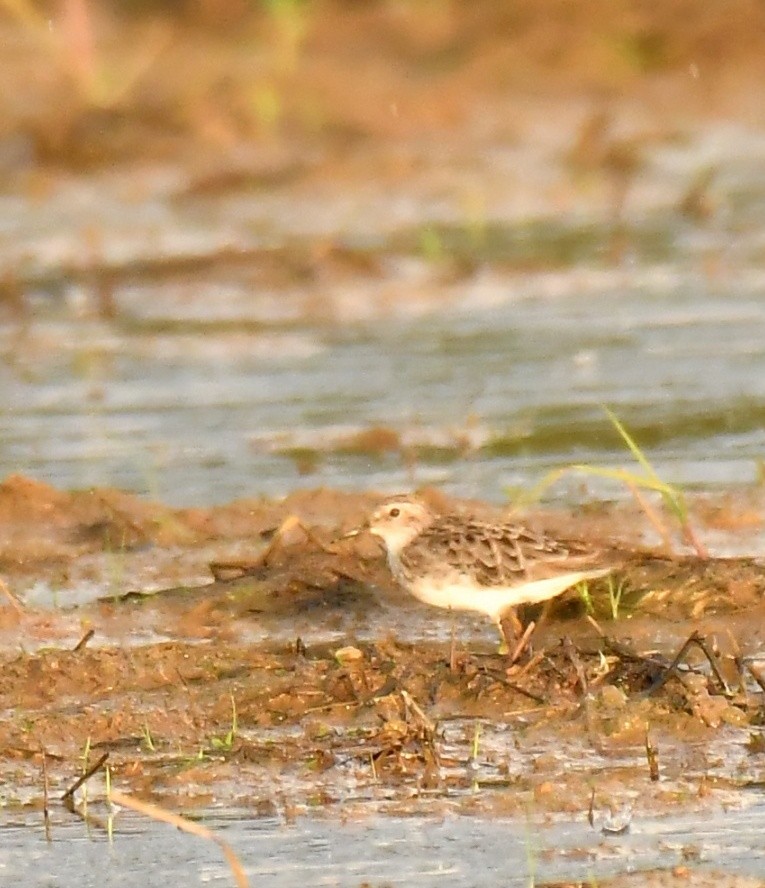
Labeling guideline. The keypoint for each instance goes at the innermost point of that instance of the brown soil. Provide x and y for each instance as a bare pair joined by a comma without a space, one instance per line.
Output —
303,641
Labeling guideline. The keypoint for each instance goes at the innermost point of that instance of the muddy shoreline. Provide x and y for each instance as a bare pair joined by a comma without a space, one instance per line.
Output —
280,182
310,682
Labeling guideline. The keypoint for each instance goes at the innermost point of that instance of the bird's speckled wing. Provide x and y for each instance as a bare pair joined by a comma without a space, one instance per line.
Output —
491,554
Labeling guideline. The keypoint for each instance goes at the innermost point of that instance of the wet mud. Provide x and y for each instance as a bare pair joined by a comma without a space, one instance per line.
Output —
329,166
294,676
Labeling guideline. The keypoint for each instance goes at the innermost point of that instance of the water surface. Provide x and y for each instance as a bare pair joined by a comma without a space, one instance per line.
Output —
391,851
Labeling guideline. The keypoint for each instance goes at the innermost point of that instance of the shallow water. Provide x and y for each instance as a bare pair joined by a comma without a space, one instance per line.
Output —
483,398
390,851
254,372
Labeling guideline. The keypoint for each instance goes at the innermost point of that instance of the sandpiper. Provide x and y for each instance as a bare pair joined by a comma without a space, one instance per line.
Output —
460,563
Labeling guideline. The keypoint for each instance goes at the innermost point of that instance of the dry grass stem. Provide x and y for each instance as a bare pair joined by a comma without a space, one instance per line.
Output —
12,598
650,513
155,812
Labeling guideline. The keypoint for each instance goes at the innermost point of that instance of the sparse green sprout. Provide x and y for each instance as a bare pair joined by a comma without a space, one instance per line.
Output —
648,479
85,765
616,589
476,741
226,743
615,592
147,739
672,496
583,589
431,244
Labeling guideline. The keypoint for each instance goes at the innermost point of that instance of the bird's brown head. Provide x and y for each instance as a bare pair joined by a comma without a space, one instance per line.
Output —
397,522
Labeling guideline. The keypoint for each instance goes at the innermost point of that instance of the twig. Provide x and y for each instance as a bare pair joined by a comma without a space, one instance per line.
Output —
693,639
46,793
84,640
412,704
67,797
650,513
756,676
702,645
189,826
689,535
573,655
652,757
627,653
244,567
530,666
523,642
596,626
453,647
502,676
519,690
13,599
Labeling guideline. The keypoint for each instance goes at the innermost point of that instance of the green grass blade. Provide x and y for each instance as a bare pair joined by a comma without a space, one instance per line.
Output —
673,498
632,444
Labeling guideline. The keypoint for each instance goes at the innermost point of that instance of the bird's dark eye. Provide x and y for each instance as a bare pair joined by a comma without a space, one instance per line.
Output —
394,513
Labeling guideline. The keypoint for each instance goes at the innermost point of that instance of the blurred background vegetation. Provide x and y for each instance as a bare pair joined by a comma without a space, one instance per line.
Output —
509,212
92,81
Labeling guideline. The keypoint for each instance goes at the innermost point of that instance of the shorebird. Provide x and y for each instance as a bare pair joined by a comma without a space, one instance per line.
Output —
461,563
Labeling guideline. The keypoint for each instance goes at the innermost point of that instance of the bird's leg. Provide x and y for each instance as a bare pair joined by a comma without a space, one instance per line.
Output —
510,630
453,645
523,642
547,609
515,636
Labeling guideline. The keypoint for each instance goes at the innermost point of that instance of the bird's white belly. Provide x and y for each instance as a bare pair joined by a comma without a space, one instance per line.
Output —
464,594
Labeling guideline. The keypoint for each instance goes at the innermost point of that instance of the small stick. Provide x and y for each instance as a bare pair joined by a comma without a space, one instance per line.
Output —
46,793
13,599
219,568
651,515
67,797
519,690
738,660
595,625
591,809
693,639
571,653
428,726
689,535
625,652
189,826
84,640
503,677
702,645
412,704
652,756
671,670
453,648
533,662
756,676
523,642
